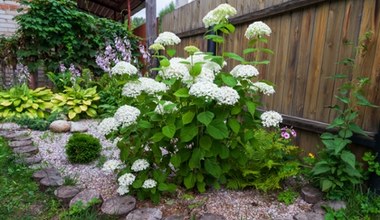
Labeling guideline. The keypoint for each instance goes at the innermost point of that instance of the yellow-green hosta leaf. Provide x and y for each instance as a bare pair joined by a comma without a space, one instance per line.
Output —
60,97
6,103
96,98
83,107
19,109
17,102
35,106
77,109
70,103
91,112
47,105
87,102
25,98
72,114
40,114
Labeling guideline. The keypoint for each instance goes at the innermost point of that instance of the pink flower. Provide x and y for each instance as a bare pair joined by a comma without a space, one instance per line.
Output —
285,135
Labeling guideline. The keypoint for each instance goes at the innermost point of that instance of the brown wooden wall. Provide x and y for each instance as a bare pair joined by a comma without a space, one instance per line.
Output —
309,37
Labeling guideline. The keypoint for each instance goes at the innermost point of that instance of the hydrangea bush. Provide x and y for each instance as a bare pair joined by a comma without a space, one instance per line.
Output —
193,124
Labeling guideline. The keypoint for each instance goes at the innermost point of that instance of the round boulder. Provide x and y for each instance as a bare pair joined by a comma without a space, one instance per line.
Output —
119,205
59,126
145,213
85,197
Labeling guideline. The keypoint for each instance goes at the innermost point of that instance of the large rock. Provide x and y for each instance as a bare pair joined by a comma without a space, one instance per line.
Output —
51,181
145,214
321,206
60,126
85,196
119,205
311,194
30,160
21,143
78,127
26,151
309,216
175,217
210,216
66,193
9,126
15,135
40,174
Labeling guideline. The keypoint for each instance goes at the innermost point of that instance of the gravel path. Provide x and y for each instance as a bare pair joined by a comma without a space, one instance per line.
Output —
239,205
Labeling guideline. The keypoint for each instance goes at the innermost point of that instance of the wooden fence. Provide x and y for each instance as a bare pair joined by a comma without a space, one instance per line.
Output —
308,37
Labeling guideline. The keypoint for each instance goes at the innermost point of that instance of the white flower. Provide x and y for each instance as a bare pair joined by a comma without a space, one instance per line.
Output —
126,179
205,75
176,70
257,29
123,67
132,89
122,190
127,115
167,38
160,108
112,165
271,119
200,57
227,96
263,87
140,165
215,16
205,89
244,71
151,86
143,84
149,184
107,126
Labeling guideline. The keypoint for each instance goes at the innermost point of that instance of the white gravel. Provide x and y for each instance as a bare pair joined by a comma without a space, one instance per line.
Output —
238,204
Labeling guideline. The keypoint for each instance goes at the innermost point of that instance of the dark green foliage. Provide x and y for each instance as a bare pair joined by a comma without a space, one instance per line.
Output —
35,123
55,31
287,197
83,148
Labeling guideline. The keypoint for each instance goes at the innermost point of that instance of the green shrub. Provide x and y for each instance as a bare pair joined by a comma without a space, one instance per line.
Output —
83,148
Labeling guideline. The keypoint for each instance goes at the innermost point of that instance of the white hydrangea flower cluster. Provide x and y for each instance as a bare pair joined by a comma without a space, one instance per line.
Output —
125,181
107,126
160,108
204,89
257,29
112,165
263,87
224,95
215,16
205,75
200,57
140,165
227,96
244,71
122,68
271,119
149,184
167,38
126,115
143,84
175,70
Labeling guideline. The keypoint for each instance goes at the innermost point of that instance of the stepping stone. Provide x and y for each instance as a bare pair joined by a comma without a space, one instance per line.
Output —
119,205
20,143
15,135
311,194
78,127
66,193
210,216
308,216
85,196
51,181
22,138
175,217
30,160
26,151
145,213
59,126
9,126
39,175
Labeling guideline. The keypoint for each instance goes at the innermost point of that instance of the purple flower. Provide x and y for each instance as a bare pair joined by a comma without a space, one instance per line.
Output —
293,132
285,135
62,68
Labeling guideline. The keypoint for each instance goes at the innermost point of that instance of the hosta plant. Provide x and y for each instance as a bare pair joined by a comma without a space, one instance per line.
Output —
77,102
194,122
20,101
